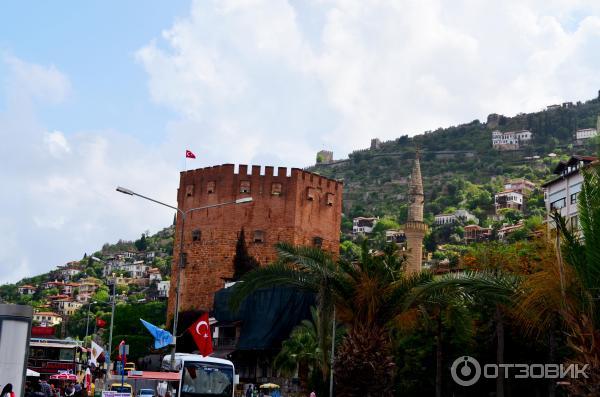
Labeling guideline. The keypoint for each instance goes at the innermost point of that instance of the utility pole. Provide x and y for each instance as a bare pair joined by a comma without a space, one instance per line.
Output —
112,320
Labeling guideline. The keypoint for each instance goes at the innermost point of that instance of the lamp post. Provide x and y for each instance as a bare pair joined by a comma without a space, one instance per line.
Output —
183,214
112,316
87,321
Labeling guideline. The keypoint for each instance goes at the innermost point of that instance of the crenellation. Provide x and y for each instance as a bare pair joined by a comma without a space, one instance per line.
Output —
279,210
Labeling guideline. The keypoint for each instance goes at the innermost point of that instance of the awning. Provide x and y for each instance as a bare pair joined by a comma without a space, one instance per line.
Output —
31,372
153,375
71,377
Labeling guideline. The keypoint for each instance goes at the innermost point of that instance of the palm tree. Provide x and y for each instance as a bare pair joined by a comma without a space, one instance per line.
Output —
495,287
439,312
368,296
301,352
304,268
580,270
369,299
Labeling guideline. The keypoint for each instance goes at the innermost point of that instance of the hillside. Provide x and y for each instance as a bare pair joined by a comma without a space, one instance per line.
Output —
459,165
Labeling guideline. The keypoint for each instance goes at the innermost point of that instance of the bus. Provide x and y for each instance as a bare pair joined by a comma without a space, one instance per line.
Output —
51,356
201,376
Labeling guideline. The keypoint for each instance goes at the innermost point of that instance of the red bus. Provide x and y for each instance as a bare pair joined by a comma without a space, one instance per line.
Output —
51,356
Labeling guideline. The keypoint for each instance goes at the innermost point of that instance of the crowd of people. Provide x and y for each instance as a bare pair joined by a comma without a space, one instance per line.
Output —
42,388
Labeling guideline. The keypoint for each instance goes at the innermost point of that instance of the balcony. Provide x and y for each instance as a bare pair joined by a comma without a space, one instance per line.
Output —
225,343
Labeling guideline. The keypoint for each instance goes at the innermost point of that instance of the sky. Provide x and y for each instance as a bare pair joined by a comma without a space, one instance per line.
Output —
98,94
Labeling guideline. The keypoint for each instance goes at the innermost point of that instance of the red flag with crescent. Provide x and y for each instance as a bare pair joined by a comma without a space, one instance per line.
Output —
200,331
189,154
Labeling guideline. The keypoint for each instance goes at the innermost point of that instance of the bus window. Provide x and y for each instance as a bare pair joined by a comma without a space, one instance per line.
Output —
204,379
67,354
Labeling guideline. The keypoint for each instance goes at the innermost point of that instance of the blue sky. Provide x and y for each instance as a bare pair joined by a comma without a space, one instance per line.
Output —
97,94
94,43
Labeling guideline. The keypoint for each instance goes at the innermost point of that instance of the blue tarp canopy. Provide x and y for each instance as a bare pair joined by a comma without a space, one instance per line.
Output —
267,315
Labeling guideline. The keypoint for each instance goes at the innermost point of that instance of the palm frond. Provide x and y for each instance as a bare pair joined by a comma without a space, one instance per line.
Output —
274,275
494,286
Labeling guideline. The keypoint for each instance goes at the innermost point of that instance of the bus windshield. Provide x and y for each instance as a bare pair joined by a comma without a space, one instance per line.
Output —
206,380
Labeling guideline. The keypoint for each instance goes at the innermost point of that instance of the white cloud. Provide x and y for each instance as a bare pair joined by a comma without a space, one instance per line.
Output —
31,81
60,199
270,83
57,143
371,68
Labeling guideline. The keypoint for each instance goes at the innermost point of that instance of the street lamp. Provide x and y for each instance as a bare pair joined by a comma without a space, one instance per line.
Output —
112,316
87,321
181,254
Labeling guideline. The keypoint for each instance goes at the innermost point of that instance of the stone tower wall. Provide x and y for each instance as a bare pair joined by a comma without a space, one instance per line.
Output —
296,208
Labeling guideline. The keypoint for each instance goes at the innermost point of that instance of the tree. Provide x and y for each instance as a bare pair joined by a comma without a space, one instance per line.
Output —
300,352
305,268
142,243
368,297
496,287
243,262
579,276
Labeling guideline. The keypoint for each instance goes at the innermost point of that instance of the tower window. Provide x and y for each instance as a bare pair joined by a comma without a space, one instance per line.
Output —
330,197
245,187
189,190
210,187
318,241
311,193
276,189
196,235
259,236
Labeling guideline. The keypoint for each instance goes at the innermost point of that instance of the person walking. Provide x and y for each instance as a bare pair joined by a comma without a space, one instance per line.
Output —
7,391
45,388
77,388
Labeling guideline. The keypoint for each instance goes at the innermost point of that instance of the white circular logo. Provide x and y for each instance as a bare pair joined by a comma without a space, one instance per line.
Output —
465,371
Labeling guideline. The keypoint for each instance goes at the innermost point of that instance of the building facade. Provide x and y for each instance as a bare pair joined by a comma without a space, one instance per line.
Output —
415,229
510,140
560,194
26,289
301,208
476,233
362,225
585,133
47,319
457,216
521,185
508,199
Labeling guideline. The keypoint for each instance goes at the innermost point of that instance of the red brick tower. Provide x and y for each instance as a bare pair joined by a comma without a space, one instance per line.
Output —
304,209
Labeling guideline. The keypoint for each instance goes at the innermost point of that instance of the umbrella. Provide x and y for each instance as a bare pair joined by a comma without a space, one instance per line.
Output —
32,373
64,377
269,386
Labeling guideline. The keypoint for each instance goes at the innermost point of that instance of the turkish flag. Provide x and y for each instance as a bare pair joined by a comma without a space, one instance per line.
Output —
100,323
189,154
200,331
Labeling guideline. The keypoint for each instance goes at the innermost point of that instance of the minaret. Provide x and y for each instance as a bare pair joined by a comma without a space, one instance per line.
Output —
415,229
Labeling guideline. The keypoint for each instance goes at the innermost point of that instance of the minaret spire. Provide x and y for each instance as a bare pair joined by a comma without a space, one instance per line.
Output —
415,228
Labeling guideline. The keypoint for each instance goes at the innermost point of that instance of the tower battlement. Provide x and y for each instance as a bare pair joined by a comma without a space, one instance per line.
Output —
288,204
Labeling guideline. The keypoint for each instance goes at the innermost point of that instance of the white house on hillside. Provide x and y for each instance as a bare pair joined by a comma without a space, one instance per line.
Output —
362,225
460,215
560,194
510,140
585,133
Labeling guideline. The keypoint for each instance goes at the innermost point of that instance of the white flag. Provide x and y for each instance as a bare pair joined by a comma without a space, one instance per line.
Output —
96,351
